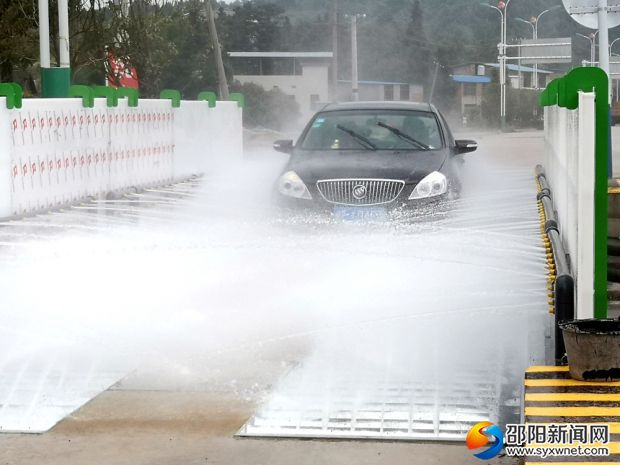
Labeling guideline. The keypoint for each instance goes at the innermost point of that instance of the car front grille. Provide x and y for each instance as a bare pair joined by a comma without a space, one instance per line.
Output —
360,191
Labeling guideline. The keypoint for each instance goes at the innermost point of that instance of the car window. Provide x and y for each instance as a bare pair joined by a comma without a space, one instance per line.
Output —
380,129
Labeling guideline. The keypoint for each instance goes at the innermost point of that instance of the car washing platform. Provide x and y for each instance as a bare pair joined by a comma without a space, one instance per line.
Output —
355,398
382,409
552,396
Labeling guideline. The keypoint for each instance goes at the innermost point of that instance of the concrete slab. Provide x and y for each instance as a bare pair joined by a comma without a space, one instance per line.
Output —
171,428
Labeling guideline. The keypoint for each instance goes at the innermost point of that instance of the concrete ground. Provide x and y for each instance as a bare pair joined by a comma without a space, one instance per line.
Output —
163,427
195,424
193,420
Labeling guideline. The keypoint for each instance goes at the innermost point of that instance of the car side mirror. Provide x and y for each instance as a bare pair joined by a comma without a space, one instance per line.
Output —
284,146
466,146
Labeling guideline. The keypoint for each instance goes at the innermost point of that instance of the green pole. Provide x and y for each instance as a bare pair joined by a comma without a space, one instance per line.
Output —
601,203
55,82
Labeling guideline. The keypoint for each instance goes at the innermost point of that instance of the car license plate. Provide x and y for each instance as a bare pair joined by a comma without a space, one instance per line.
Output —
360,213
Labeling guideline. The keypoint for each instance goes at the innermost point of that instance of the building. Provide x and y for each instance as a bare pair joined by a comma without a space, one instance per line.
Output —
305,76
382,90
472,77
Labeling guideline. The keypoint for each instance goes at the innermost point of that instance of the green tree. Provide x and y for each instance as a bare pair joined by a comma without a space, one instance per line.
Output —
18,41
191,68
252,27
143,40
418,50
271,109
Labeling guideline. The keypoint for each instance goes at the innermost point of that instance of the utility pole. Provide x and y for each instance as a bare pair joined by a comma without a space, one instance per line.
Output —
354,78
63,34
44,34
335,52
535,64
430,97
55,82
221,73
603,37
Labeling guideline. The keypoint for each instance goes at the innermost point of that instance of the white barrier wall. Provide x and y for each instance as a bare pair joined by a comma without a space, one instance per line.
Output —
569,167
54,152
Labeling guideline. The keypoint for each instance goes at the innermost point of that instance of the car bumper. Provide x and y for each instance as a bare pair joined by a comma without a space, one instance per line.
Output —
396,206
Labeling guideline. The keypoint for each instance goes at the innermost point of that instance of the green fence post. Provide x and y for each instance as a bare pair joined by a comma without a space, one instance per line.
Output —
85,93
109,93
18,94
239,98
173,95
131,94
8,91
55,82
208,96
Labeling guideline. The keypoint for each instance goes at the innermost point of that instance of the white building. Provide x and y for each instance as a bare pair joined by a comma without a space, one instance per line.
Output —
303,75
370,91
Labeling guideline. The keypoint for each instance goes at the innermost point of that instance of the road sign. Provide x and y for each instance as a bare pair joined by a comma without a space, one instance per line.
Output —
544,51
585,12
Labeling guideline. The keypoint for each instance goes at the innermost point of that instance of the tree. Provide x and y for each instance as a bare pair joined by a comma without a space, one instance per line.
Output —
144,41
271,109
192,68
252,27
18,41
419,52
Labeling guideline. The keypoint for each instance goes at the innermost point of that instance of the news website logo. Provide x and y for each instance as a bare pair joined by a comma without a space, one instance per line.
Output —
544,440
480,436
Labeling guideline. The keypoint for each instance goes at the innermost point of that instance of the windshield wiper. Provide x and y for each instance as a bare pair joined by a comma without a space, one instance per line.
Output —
403,135
358,137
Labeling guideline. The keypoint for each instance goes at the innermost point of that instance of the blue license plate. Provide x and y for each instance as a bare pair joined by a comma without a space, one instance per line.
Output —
360,213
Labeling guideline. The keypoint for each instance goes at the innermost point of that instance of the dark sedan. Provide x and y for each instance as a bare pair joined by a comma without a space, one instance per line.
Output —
363,159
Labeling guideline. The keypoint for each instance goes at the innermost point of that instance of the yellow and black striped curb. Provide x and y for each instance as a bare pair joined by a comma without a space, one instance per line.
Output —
552,396
551,269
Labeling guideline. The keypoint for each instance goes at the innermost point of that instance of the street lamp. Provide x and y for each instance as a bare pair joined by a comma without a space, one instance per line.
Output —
503,5
531,24
502,9
536,21
501,14
592,38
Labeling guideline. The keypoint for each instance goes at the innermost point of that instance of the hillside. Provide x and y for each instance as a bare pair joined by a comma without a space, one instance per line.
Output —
456,30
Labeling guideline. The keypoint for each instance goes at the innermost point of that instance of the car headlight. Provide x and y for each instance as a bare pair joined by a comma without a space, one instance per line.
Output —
432,185
290,184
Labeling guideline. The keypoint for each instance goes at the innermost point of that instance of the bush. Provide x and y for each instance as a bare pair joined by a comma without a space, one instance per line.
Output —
271,109
522,108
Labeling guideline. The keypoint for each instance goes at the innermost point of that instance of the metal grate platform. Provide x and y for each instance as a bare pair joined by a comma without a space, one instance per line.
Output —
40,389
385,396
386,410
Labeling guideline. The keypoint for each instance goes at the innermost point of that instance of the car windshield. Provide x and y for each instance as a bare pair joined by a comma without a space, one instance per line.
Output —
373,130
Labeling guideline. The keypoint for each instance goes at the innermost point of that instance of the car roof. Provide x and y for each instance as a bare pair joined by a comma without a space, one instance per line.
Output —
391,105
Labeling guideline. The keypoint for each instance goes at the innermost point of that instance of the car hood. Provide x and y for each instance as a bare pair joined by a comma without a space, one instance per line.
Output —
409,166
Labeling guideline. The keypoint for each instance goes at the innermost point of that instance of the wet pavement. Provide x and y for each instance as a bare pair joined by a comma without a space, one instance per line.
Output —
207,301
